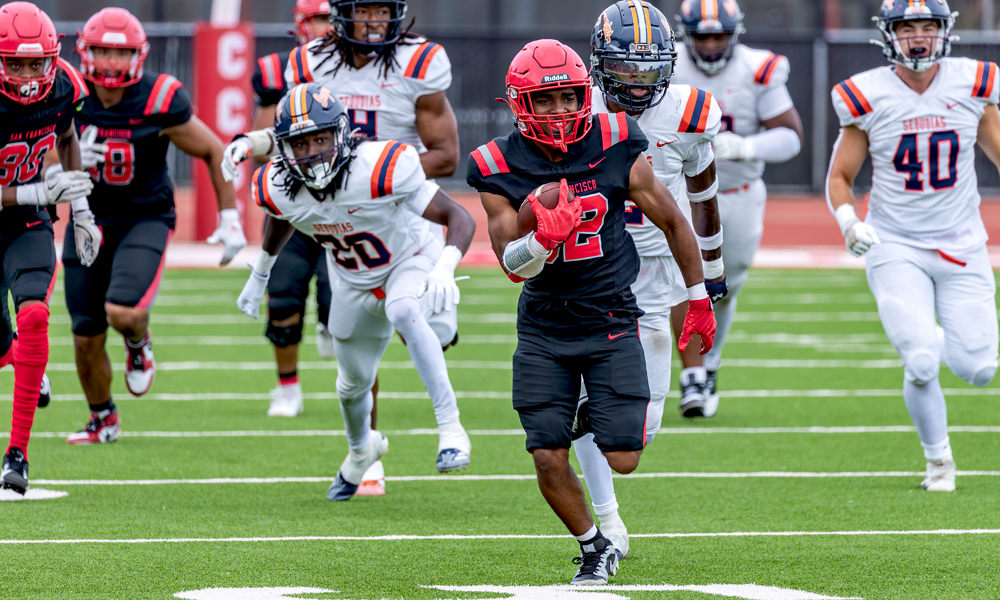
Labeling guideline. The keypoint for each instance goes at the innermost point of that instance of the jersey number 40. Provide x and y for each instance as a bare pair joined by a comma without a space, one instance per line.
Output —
907,161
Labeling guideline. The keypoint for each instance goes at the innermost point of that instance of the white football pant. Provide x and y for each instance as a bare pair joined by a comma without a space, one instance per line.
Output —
911,285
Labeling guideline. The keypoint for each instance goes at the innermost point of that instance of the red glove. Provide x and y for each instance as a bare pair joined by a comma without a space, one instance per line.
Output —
700,319
555,225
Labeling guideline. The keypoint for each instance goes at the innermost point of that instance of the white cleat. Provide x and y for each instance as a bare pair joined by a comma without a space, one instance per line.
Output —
454,447
140,367
940,476
286,401
373,481
324,342
345,486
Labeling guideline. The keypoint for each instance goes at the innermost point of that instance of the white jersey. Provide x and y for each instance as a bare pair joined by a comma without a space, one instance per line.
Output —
680,129
749,89
368,225
383,107
924,186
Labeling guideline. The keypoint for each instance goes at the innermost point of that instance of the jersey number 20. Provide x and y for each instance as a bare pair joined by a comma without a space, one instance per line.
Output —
349,249
907,161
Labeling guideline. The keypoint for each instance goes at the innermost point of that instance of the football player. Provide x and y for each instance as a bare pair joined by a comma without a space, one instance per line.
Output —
923,238
301,258
633,59
393,84
127,123
40,94
576,317
356,199
759,125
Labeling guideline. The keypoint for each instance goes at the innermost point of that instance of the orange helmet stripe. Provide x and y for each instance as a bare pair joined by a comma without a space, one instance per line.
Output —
635,20
649,26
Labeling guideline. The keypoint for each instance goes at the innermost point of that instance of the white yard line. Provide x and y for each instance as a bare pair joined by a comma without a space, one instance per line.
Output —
404,538
514,477
519,432
505,395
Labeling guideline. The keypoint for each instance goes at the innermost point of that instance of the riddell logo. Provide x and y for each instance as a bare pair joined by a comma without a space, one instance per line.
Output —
554,78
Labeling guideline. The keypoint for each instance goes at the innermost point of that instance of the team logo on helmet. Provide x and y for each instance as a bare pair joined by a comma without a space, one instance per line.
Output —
730,8
323,97
606,28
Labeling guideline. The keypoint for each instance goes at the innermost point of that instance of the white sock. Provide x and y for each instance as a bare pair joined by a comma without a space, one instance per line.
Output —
407,316
694,374
928,411
939,452
596,472
591,534
357,420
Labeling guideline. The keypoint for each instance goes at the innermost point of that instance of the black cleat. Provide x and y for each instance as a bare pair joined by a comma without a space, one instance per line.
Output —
692,394
15,472
581,422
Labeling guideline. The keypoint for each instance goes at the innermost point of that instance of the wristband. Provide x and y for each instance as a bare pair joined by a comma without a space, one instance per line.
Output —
522,252
79,204
712,242
697,292
706,194
262,142
713,269
28,195
845,216
449,259
265,262
229,215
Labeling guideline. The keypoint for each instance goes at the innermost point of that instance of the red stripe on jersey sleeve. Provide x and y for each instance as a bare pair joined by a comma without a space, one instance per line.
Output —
497,156
605,130
481,163
80,90
622,126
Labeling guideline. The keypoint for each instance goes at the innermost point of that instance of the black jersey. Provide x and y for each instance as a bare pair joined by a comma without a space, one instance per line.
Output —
269,78
596,266
28,131
132,184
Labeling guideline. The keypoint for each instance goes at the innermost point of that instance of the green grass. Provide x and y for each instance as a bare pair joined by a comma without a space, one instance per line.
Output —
893,566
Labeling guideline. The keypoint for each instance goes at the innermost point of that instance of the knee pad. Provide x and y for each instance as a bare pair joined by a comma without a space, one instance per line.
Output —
984,376
283,337
922,367
403,312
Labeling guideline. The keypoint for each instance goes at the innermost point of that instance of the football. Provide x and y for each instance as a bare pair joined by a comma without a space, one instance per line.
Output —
548,195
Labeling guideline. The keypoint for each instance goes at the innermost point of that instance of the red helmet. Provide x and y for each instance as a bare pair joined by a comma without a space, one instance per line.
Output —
27,32
303,13
112,28
545,65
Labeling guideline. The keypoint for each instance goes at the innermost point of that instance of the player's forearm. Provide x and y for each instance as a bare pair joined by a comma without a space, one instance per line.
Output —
276,234
839,192
461,227
68,149
439,162
684,247
225,192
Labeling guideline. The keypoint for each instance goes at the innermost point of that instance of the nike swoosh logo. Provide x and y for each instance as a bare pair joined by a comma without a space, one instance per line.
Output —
32,224
594,164
660,144
950,106
135,121
385,85
618,335
352,211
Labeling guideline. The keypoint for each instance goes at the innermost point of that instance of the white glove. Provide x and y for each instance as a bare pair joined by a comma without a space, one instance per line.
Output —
253,293
240,150
87,235
59,186
858,237
440,284
729,146
230,233
91,153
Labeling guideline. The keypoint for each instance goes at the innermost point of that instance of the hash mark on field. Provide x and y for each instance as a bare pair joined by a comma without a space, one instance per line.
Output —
405,538
514,477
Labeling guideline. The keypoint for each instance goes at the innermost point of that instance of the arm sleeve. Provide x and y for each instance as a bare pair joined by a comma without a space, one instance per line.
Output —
410,184
700,155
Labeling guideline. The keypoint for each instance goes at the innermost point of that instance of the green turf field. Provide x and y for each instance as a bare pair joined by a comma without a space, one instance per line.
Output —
807,480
